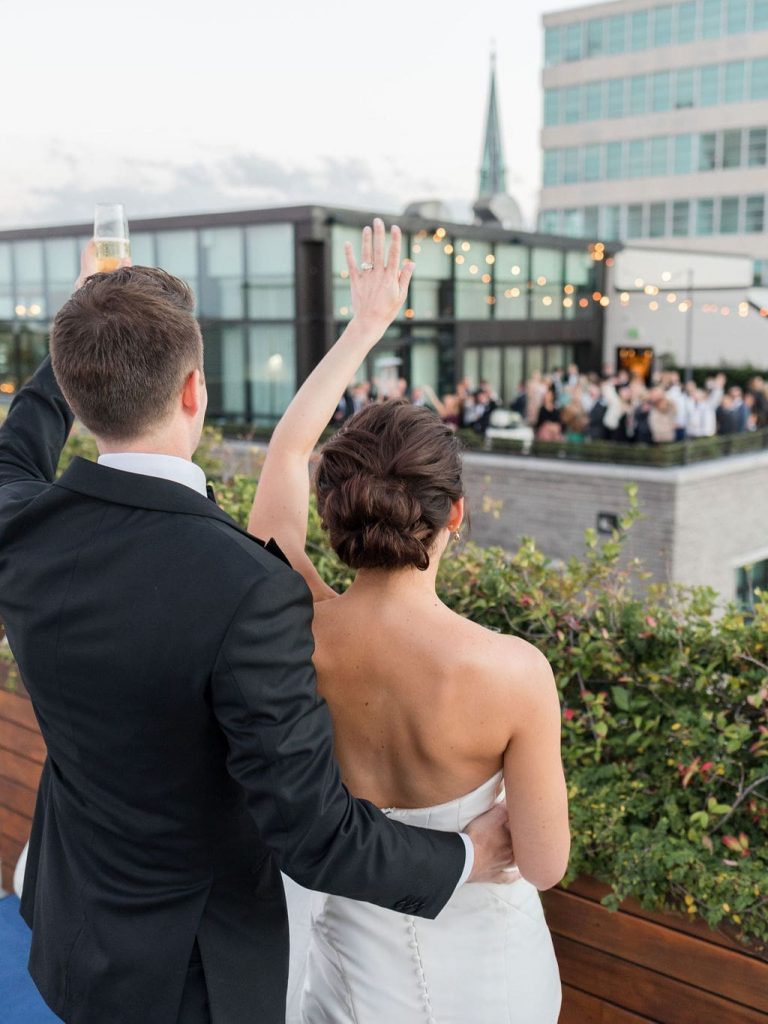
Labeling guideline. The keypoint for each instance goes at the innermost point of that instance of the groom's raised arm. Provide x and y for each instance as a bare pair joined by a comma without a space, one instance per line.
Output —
281,752
35,430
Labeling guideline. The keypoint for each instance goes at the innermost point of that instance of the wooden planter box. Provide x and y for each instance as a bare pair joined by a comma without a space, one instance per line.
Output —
22,752
638,967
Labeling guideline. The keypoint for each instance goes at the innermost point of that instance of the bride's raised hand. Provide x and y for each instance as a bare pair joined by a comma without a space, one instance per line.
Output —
379,284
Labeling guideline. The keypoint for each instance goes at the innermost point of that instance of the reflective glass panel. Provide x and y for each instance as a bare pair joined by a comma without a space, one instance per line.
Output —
592,163
471,364
707,151
759,79
711,18
635,220
662,26
552,46
472,291
684,88
490,368
617,33
552,167
683,154
570,165
615,97
534,360
143,249
755,214
659,151
547,284
571,104
637,158
613,160
686,22
62,260
272,355
736,16
6,284
661,91
705,216
611,223
431,293
549,222
222,275
734,81
580,280
757,147
514,372
573,223
638,32
732,148
729,215
511,274
225,375
709,85
595,37
551,106
638,88
424,364
760,14
30,280
591,221
573,41
593,101
681,215
270,269
657,220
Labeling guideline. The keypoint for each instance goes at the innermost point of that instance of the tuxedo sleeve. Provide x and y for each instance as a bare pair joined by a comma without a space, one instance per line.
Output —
35,430
281,752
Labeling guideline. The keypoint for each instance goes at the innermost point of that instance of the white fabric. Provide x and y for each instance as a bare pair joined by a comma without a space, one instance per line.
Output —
487,958
167,467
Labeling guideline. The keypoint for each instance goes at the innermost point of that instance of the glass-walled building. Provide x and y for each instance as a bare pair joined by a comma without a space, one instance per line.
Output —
670,95
272,295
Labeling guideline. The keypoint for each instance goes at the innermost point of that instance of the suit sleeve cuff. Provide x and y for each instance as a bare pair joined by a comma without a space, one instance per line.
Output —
469,862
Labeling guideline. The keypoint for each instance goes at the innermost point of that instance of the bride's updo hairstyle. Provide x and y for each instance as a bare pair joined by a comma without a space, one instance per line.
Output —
385,485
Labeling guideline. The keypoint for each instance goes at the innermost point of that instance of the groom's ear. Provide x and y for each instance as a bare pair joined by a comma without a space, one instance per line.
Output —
192,392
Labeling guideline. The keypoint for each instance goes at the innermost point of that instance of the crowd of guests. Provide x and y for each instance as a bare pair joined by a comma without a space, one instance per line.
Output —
571,405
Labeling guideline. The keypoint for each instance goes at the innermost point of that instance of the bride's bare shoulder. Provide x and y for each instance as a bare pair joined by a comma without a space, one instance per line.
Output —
514,664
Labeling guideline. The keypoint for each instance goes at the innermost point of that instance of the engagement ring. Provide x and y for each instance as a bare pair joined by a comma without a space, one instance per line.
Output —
366,266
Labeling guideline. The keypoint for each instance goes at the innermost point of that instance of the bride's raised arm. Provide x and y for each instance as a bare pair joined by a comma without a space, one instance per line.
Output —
379,286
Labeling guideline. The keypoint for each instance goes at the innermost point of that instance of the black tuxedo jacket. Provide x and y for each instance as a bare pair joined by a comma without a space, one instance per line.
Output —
168,657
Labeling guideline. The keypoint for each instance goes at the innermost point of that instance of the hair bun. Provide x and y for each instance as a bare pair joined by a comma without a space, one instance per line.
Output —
385,484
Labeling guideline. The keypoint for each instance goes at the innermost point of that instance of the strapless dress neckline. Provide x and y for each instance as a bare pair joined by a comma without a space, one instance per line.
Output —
452,815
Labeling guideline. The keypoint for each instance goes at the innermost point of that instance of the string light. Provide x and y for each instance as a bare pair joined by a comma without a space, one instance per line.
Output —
541,281
486,278
490,259
605,301
34,310
597,296
21,310
459,259
490,300
653,305
666,276
440,232
639,282
465,246
624,297
567,303
416,248
583,303
547,300
671,298
569,289
515,271
409,314
344,310
448,249
473,269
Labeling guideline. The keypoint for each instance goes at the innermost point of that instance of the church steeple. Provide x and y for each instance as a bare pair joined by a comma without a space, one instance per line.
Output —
493,171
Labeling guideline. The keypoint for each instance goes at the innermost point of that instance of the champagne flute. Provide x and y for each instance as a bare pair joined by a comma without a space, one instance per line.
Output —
110,232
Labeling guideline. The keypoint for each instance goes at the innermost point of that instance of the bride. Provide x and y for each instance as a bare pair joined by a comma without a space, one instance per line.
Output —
434,717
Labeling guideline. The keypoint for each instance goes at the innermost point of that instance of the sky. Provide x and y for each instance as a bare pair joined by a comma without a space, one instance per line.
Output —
178,107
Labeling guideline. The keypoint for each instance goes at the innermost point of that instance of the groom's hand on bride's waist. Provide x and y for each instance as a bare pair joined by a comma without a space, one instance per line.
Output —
492,842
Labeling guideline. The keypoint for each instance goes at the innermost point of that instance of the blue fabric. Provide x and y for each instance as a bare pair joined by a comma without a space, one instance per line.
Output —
20,1001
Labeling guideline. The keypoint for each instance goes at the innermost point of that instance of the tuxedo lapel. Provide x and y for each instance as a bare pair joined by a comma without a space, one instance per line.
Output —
149,492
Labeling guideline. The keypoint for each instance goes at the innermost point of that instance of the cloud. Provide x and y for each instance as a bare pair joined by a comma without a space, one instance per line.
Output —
222,181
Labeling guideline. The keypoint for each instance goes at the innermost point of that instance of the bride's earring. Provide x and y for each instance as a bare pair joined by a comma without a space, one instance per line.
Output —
456,537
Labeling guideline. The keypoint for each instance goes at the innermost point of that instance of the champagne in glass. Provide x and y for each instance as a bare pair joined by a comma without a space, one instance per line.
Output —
110,232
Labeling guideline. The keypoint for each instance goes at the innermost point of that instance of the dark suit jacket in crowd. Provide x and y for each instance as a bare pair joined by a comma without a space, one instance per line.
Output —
168,657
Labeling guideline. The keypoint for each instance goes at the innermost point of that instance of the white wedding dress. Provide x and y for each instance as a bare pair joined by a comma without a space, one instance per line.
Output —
487,958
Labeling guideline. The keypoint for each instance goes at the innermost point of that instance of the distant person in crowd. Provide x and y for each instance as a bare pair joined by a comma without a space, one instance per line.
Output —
702,420
449,408
548,422
520,402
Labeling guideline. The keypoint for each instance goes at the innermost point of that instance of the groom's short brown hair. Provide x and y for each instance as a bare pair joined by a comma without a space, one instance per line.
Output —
122,346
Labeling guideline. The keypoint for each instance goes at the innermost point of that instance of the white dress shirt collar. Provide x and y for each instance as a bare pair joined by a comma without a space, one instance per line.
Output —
166,467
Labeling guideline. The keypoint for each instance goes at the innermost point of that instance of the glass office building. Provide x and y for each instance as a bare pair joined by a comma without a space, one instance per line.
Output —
272,296
674,95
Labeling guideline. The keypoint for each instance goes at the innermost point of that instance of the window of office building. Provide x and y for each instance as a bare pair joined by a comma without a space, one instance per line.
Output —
615,97
709,85
591,221
225,372
711,18
734,81
30,280
570,165
425,361
657,220
430,295
270,270
683,158
514,371
62,260
638,30
686,22
662,26
177,253
546,284
755,214
617,32
732,148
705,216
592,163
581,277
551,106
143,249
757,147
659,148
636,158
573,223
549,222
681,216
635,220
661,91
707,151
684,88
473,279
613,160
552,167
593,101
552,47
729,215
571,104
6,283
272,358
222,276
759,14
736,16
638,90
595,41
511,275
572,49
750,579
611,222
759,79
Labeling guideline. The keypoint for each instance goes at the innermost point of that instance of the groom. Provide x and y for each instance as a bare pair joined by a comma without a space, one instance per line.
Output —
168,655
